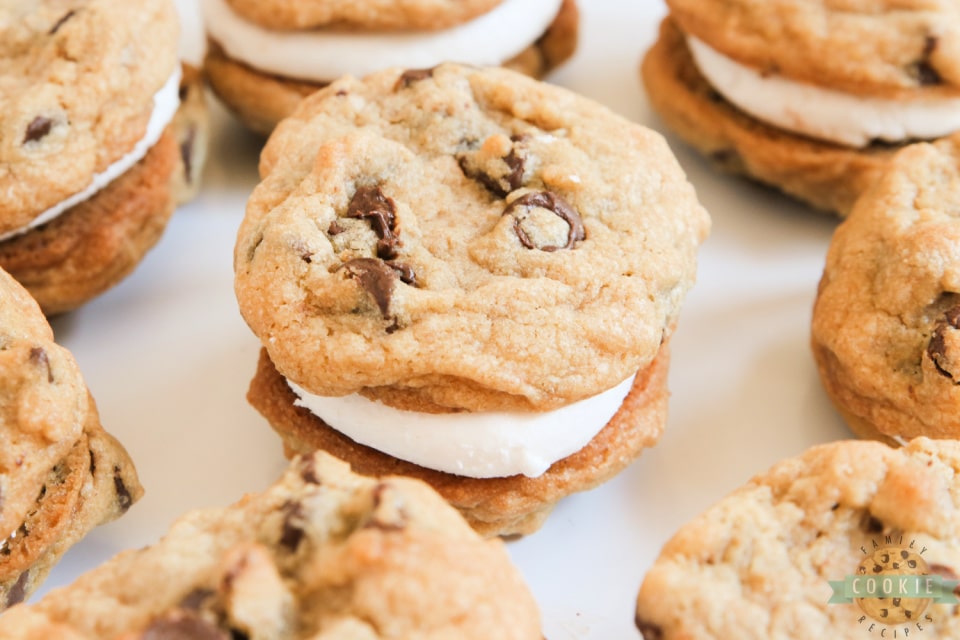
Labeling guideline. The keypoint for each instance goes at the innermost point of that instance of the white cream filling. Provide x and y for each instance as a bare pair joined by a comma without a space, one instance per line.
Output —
165,104
822,113
325,55
475,445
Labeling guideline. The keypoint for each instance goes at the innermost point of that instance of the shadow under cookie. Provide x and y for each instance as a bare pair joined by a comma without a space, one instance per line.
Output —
514,505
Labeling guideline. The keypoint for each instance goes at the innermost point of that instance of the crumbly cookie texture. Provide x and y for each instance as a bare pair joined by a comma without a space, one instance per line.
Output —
827,176
516,505
60,473
261,100
323,554
876,47
467,238
758,563
77,78
885,321
371,15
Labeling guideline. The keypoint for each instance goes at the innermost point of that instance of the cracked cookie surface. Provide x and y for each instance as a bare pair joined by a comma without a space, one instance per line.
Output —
323,553
758,564
463,238
884,328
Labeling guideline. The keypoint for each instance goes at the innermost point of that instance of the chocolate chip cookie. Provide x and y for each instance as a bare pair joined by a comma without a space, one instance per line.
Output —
812,98
323,553
886,315
263,58
96,148
61,474
772,558
476,244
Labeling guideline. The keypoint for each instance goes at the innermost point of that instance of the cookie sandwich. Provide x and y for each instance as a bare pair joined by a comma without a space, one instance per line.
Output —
61,474
323,553
476,287
850,539
887,312
96,145
812,98
263,57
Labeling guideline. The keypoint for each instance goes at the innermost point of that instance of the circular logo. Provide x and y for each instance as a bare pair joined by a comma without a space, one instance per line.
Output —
884,567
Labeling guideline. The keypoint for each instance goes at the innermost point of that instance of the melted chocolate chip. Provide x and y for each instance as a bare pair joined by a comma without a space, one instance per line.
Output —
186,152
39,357
551,202
937,347
923,70
38,129
124,499
183,625
61,22
377,278
369,203
648,630
411,76
405,272
293,532
502,186
19,590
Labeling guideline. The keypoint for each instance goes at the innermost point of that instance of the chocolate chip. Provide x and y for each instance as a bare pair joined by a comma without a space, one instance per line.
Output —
648,630
309,471
293,532
39,357
18,591
369,203
195,600
551,202
183,625
411,76
38,128
510,181
124,499
871,524
937,348
376,277
388,512
335,228
404,272
61,22
923,70
186,152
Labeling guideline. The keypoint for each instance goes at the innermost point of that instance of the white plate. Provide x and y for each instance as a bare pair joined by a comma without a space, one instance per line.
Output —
168,359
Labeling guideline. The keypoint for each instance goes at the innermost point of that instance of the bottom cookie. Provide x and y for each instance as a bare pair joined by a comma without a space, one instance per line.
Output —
824,545
323,553
516,505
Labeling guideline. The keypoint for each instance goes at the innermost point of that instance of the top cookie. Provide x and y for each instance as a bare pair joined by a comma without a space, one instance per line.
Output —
77,79
877,47
468,236
361,14
323,553
885,324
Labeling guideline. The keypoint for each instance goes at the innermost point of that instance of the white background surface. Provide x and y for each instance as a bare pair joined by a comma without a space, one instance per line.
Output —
168,359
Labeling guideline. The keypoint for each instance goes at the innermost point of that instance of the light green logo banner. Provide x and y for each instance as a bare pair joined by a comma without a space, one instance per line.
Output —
893,586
